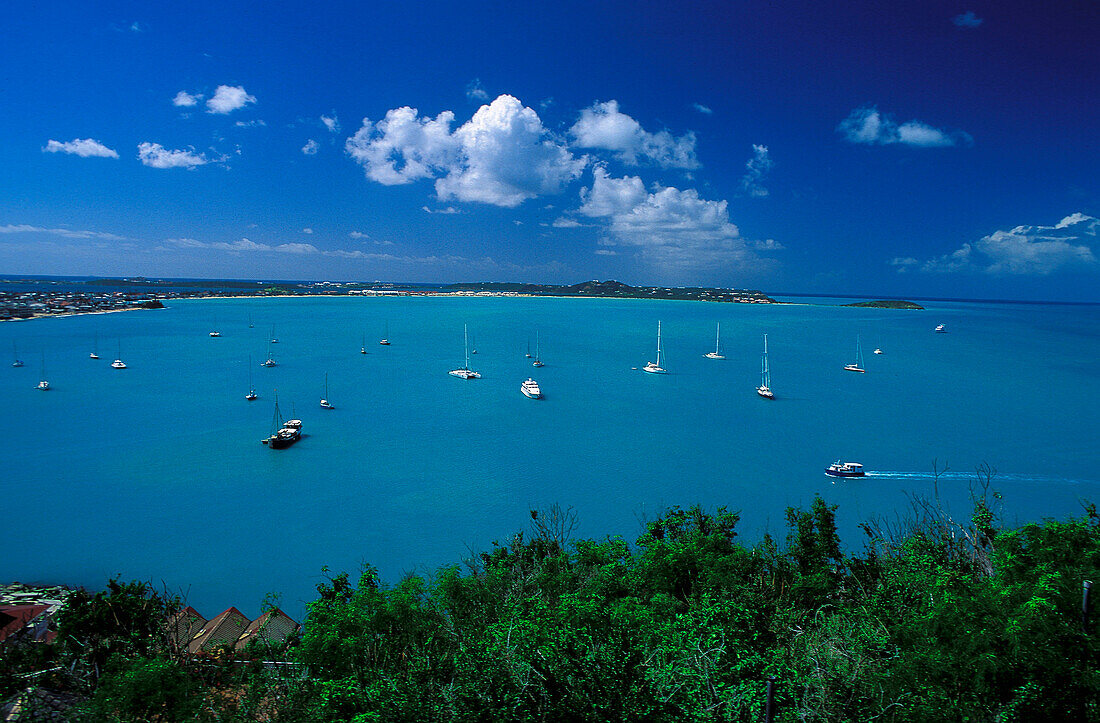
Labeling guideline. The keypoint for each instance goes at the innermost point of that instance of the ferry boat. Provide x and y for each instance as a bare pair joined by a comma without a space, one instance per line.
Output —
655,367
845,469
465,372
530,388
941,329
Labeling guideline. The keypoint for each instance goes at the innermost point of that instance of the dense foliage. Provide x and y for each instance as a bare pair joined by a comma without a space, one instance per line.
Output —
936,621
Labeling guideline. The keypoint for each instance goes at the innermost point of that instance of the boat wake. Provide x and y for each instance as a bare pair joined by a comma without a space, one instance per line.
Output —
953,476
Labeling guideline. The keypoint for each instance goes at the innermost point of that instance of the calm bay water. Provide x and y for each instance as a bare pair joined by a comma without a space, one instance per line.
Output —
157,472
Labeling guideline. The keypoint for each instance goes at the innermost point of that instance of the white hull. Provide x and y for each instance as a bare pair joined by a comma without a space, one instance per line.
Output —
118,364
93,355
465,374
765,392
714,355
654,369
530,389
854,368
43,386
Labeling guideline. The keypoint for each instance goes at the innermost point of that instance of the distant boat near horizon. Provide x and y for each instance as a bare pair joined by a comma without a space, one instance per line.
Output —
765,388
857,366
654,367
714,354
465,372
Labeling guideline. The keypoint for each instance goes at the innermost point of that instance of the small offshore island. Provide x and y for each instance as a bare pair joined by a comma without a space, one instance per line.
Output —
887,304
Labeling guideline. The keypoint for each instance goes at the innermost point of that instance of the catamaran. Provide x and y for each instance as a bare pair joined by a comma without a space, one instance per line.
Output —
765,388
324,400
465,372
538,361
118,363
251,396
714,354
857,366
655,367
15,360
530,388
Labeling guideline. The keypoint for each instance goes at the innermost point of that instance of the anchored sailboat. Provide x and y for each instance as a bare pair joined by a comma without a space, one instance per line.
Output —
95,347
714,354
538,360
43,385
465,372
655,367
251,396
764,389
385,340
15,360
118,363
324,400
270,362
283,434
858,365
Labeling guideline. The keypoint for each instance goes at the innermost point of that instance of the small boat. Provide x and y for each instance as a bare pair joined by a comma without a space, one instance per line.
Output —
324,400
385,340
274,339
538,361
764,389
465,372
15,361
270,359
118,363
529,349
530,388
941,329
215,333
43,385
714,354
845,469
878,351
857,366
94,354
283,434
251,396
474,350
250,320
655,367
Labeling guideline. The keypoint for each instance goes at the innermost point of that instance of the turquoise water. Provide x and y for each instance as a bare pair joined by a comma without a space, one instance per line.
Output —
157,472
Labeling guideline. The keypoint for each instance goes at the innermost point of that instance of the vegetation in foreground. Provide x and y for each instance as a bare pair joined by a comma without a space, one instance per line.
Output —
935,620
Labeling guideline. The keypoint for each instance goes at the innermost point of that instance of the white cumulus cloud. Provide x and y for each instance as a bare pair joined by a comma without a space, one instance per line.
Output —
868,126
184,99
670,227
605,127
1036,250
155,155
310,148
83,147
757,166
501,156
702,108
228,98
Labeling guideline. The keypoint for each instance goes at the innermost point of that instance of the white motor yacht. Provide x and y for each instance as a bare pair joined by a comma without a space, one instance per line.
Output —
530,388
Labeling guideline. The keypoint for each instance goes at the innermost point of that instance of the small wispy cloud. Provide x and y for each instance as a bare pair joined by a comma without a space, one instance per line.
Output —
702,108
358,234
307,229
444,210
136,27
155,155
83,147
228,98
184,99
967,20
64,232
332,123
566,223
258,123
310,148
867,126
757,166
474,91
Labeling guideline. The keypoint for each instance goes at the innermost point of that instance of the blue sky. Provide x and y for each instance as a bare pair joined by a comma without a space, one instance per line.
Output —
928,149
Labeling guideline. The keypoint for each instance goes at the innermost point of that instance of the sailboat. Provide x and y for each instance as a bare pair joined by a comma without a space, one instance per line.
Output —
465,372
118,363
529,348
43,385
215,332
538,361
95,347
714,354
283,434
385,340
324,400
858,365
941,329
655,367
250,320
363,348
274,339
474,350
270,362
15,360
251,396
764,389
